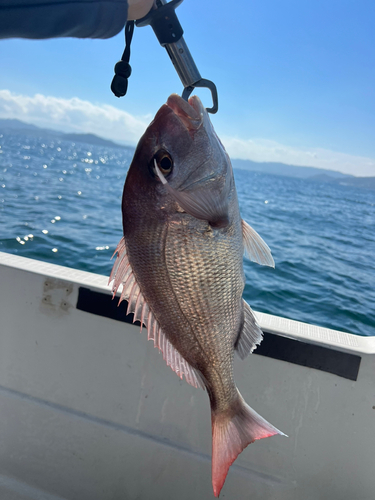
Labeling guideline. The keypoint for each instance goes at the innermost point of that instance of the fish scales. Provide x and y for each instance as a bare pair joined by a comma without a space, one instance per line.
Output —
209,295
183,245
147,258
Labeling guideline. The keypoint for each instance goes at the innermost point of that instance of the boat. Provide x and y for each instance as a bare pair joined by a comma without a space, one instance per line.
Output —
90,411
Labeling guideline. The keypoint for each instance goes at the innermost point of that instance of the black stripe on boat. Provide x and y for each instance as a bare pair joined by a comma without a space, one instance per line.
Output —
102,304
328,360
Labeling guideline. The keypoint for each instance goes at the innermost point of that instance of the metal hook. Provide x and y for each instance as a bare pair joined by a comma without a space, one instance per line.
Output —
167,28
205,84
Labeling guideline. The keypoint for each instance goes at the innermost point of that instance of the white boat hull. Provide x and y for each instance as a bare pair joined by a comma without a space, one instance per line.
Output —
90,411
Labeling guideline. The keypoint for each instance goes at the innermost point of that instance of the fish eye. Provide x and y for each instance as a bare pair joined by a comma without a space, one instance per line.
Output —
164,161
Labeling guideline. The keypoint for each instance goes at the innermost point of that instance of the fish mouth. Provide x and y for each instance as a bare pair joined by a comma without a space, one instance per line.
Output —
190,113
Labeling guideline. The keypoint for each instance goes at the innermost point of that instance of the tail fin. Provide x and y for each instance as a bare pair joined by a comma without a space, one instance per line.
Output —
232,431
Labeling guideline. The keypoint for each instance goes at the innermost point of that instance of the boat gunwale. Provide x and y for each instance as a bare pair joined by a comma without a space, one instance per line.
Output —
277,325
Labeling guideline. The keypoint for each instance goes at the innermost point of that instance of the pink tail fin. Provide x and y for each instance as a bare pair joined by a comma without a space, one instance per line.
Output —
232,431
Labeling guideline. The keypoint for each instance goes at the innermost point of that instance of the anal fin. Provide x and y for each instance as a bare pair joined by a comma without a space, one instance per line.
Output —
250,336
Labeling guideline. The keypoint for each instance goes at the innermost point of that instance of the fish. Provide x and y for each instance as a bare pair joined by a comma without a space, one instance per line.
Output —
180,266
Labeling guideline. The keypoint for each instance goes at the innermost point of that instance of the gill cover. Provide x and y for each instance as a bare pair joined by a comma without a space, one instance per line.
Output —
203,204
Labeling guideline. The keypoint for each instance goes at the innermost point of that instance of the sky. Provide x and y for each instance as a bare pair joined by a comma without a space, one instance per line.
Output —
296,80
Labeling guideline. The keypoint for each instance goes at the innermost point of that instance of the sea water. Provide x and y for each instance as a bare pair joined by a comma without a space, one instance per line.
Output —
60,202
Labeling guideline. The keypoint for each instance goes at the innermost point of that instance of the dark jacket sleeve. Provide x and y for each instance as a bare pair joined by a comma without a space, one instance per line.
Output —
62,18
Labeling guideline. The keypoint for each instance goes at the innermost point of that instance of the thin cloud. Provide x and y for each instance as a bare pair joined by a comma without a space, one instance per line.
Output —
73,115
269,151
76,115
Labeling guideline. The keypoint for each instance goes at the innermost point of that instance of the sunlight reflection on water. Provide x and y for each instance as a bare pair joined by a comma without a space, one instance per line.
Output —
65,208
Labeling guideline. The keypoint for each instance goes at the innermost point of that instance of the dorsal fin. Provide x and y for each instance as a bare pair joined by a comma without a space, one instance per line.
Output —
122,275
255,248
251,335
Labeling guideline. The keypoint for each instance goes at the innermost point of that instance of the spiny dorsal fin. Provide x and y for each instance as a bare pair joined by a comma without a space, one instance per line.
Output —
119,266
170,355
122,275
255,248
250,336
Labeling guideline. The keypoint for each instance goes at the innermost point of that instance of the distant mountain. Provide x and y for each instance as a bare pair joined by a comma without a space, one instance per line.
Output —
361,182
92,139
287,170
7,125
309,173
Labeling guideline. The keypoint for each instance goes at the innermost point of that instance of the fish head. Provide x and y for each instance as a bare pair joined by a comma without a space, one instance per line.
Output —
180,164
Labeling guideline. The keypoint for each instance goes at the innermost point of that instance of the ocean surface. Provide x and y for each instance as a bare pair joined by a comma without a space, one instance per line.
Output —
60,202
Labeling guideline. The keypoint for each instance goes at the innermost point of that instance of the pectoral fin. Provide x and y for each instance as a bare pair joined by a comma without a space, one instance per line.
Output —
206,204
255,248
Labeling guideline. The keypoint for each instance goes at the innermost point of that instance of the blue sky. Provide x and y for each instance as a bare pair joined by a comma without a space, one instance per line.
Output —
296,80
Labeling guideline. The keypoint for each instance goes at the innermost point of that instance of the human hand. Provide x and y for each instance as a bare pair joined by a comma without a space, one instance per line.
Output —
139,8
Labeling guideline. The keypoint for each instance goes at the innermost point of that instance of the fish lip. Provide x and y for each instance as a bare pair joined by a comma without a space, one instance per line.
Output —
190,113
197,105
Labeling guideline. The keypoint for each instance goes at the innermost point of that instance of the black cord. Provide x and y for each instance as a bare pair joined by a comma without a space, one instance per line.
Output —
119,85
129,30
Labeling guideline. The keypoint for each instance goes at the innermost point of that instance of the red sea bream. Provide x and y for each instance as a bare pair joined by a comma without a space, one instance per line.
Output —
180,265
